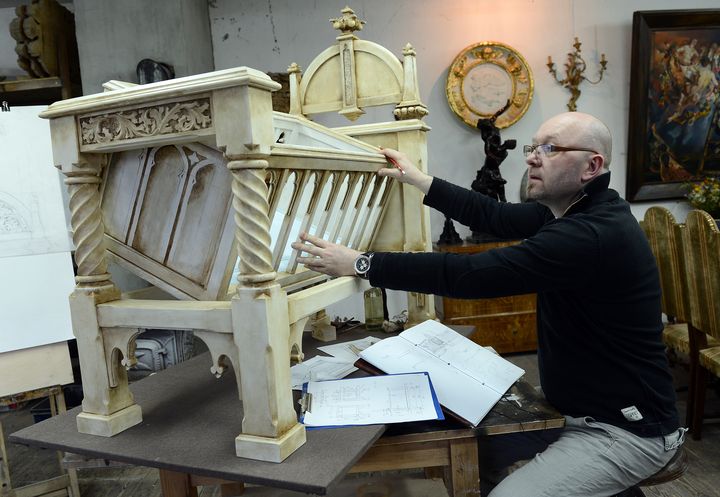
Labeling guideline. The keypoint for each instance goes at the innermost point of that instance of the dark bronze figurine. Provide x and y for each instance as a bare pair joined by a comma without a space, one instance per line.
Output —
489,181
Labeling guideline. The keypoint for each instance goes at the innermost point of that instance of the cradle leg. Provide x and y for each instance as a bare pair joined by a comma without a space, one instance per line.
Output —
107,410
270,428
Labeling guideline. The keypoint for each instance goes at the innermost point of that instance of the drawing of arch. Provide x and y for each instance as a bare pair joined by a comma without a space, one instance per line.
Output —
15,217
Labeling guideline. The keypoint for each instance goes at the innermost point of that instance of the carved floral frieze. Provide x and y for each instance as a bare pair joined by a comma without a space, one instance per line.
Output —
156,120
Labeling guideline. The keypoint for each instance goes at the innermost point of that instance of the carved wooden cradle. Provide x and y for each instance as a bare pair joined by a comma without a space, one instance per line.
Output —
182,181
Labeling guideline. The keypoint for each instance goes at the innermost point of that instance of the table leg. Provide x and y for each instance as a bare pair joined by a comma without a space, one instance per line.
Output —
58,406
464,469
174,484
5,483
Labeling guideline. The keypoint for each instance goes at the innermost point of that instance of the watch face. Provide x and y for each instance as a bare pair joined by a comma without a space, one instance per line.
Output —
362,264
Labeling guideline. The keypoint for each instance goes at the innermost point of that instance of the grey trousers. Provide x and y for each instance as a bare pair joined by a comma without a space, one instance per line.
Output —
585,458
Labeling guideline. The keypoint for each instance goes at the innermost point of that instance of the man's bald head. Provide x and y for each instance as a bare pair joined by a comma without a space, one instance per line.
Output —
577,129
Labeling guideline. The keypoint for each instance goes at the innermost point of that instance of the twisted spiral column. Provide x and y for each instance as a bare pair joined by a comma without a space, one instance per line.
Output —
88,230
250,202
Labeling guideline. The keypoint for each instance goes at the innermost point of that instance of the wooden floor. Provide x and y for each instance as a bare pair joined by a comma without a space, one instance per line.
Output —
28,465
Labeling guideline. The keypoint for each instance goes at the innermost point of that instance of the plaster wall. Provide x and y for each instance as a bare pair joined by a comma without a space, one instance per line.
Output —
114,36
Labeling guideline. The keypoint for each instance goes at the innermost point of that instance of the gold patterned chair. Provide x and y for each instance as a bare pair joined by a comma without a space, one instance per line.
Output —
702,251
665,236
662,232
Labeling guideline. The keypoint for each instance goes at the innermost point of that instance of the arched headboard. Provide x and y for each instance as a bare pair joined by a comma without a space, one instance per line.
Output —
354,74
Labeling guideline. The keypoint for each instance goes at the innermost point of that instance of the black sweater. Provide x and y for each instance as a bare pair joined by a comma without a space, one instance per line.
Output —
599,319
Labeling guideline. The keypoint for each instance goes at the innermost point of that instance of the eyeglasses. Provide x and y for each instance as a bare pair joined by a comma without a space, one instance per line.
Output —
545,149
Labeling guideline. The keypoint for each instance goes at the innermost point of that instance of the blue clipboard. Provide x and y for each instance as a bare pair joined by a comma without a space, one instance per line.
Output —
306,402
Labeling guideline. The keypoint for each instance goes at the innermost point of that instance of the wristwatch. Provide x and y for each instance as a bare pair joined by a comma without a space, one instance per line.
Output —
362,264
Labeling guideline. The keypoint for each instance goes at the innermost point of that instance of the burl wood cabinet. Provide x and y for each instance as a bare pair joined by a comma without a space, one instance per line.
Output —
506,323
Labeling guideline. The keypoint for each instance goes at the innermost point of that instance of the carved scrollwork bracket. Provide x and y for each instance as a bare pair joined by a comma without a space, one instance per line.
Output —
151,121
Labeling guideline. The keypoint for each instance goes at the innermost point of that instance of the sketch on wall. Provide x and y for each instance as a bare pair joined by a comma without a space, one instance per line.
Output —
14,217
32,216
35,245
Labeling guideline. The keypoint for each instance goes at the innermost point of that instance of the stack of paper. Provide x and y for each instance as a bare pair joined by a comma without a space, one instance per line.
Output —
339,365
468,379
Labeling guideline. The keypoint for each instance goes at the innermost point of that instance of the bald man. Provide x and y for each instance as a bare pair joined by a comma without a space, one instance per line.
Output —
600,355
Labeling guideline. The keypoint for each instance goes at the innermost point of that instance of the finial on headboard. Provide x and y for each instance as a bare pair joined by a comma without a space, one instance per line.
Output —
294,74
349,22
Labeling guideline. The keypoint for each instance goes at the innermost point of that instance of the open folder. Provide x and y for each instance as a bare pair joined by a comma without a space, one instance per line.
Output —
370,400
468,379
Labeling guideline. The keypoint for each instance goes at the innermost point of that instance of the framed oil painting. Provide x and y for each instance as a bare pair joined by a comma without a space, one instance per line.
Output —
674,125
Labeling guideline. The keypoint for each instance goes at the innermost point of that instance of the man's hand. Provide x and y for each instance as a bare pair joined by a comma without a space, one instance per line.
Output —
326,257
413,176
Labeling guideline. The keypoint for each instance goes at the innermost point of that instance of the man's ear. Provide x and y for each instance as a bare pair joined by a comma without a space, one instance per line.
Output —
593,168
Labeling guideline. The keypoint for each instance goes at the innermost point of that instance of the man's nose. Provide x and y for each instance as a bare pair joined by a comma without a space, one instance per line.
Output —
533,160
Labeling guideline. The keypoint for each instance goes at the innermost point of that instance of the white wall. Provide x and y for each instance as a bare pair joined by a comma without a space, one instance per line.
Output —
114,36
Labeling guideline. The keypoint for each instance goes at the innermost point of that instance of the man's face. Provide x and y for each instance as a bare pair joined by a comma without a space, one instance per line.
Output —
556,177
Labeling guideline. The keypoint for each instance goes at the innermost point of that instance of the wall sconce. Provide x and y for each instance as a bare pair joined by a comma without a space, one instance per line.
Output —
574,69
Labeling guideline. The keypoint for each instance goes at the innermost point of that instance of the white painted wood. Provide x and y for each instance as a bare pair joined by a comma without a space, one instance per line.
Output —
101,398
270,449
311,300
321,328
166,314
170,89
224,353
109,425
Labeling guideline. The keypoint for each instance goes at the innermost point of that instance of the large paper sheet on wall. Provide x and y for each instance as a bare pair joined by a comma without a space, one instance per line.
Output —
36,275
34,300
32,216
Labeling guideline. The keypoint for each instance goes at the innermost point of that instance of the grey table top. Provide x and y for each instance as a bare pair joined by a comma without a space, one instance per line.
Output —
190,421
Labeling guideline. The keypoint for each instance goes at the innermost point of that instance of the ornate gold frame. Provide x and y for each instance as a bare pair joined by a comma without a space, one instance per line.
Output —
483,77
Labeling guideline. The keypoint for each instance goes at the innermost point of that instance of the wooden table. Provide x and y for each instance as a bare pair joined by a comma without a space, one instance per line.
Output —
190,419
